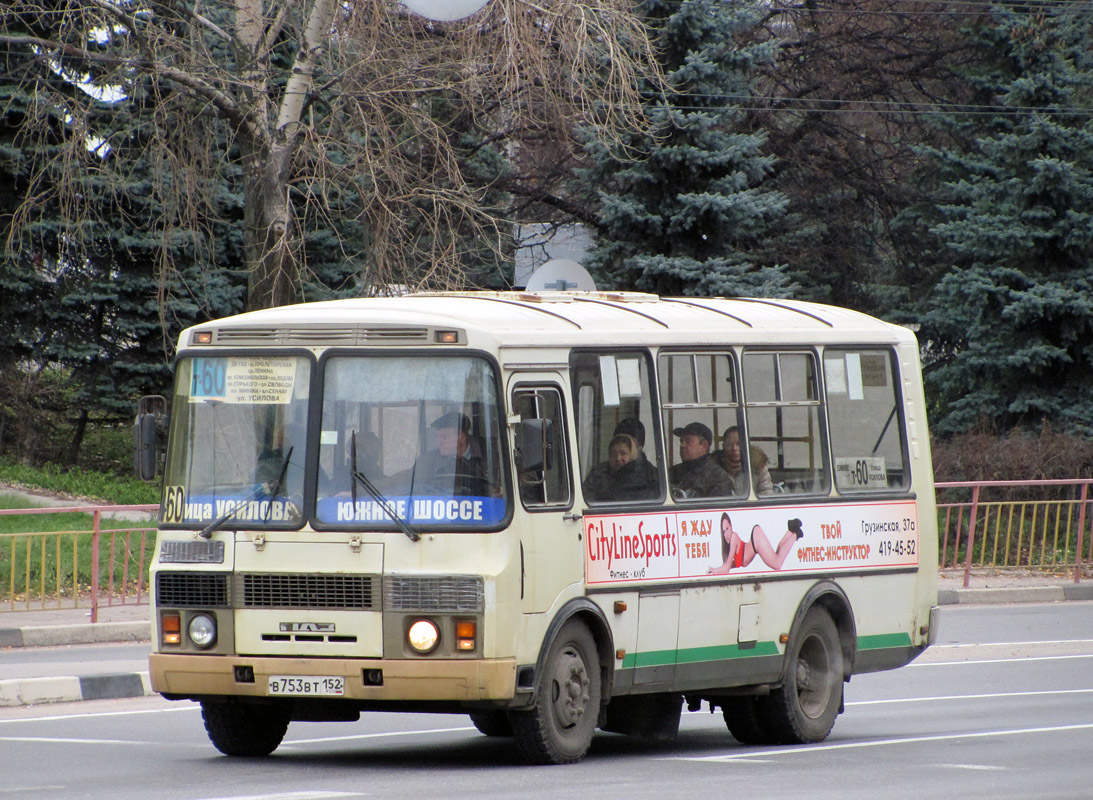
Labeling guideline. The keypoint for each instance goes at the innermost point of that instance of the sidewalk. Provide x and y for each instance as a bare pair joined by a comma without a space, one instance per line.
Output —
1012,586
21,631
27,677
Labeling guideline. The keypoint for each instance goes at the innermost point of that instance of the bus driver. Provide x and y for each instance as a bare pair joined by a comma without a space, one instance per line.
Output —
457,466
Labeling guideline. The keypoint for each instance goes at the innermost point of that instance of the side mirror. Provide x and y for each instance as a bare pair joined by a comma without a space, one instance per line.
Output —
151,414
534,441
144,459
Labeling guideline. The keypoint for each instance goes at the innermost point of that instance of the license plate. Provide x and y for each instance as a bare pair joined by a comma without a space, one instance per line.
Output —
307,685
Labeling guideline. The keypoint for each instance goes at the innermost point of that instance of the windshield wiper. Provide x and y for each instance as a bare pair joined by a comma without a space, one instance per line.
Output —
273,488
377,495
279,483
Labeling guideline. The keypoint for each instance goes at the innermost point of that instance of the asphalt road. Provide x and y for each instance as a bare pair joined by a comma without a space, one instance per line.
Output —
76,659
1002,708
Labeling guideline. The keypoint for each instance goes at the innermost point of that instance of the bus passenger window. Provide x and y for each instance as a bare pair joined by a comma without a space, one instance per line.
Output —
615,441
868,445
542,460
699,400
783,419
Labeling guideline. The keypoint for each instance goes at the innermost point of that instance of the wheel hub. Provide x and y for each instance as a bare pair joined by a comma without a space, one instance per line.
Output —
570,690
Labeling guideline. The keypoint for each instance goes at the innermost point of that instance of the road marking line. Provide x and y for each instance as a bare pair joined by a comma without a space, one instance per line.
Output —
823,748
983,767
324,739
59,717
1008,644
995,660
305,795
23,791
991,696
65,740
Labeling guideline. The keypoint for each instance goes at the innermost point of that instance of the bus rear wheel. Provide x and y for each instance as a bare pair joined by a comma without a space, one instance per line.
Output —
559,726
744,720
803,709
244,729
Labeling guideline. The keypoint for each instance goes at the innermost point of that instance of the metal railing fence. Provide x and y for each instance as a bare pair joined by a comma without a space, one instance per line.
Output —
63,568
999,525
1014,525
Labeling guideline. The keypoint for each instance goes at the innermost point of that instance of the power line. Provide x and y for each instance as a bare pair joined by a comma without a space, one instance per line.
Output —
816,105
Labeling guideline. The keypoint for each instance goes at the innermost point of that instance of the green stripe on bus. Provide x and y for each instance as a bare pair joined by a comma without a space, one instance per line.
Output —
881,640
693,655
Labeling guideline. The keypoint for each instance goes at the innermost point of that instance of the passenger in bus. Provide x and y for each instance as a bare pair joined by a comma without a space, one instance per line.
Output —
697,475
457,466
730,458
621,476
738,552
646,474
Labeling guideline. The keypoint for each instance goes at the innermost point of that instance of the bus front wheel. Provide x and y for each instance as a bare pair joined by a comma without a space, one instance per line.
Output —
244,729
803,709
492,723
559,726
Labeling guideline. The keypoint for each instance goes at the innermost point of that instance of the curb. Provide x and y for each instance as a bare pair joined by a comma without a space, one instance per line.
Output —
87,633
1015,594
34,691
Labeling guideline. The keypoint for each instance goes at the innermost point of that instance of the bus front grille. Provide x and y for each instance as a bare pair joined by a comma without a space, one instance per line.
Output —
441,593
307,591
192,590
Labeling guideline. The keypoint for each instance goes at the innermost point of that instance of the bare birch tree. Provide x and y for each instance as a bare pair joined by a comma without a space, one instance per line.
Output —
309,102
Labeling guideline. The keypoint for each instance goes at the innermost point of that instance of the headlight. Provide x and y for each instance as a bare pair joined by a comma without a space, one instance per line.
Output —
423,636
202,630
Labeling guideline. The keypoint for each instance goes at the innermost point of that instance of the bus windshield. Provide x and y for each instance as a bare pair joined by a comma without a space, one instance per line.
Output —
417,437
237,442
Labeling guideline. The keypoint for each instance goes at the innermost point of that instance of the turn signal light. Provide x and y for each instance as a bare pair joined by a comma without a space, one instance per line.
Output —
464,634
171,624
203,337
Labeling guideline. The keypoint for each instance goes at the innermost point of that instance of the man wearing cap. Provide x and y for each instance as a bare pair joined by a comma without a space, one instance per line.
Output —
696,475
456,466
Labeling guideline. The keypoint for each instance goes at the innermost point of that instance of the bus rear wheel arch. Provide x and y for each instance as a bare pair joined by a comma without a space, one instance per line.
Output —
803,708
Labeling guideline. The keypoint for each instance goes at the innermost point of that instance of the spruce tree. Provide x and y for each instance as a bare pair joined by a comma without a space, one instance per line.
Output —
1008,325
682,208
87,300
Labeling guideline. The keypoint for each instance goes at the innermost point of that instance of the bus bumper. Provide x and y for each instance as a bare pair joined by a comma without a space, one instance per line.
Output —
374,679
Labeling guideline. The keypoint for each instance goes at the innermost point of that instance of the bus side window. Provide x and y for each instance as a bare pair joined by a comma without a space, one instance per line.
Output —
698,392
868,445
542,461
616,433
782,398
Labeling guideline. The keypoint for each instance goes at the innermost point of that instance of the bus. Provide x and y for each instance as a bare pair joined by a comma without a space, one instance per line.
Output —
553,511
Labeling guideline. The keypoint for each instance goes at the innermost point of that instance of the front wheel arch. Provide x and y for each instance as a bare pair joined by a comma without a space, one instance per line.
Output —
592,616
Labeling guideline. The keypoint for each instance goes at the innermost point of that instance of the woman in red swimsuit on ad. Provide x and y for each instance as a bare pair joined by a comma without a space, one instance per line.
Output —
739,552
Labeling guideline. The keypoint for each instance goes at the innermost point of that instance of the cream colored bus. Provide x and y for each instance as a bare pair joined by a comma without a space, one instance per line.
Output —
554,512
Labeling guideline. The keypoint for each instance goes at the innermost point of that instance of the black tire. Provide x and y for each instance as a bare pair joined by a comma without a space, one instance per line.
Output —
744,720
492,723
244,729
803,709
559,726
